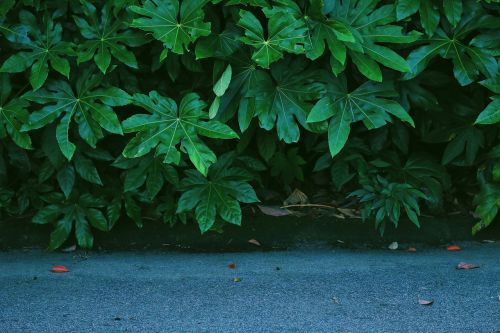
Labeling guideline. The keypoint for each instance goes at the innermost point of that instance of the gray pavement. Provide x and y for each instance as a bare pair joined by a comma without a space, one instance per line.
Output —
308,290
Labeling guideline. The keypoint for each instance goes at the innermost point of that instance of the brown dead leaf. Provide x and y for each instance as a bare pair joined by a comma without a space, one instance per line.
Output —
425,302
464,265
296,198
412,249
274,210
453,248
231,265
254,242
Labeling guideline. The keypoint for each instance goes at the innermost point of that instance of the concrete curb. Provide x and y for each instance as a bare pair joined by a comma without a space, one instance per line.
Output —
271,232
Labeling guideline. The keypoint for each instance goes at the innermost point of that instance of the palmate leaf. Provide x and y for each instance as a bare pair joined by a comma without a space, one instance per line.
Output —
283,99
13,114
366,104
43,47
349,28
82,211
217,195
284,34
175,27
239,96
90,106
68,173
420,171
465,141
167,126
468,60
107,35
318,28
370,24
385,200
148,170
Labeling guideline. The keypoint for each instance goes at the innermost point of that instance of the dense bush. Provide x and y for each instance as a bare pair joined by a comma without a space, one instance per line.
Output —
175,110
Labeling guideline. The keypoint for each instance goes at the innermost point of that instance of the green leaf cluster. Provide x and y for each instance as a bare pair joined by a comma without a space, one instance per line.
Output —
190,110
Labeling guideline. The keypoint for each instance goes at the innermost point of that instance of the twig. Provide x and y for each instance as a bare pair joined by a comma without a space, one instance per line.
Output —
308,205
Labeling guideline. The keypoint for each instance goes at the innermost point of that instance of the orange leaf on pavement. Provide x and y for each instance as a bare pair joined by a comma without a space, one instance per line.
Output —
59,269
453,248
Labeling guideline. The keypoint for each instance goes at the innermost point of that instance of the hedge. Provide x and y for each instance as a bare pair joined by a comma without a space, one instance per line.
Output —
189,110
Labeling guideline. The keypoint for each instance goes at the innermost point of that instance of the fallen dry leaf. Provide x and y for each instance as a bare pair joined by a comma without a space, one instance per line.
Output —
231,265
453,248
425,302
464,265
296,198
412,249
254,242
274,210
69,248
237,279
393,246
59,269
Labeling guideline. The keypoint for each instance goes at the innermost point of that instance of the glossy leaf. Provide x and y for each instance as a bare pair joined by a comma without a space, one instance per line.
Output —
177,26
218,195
166,126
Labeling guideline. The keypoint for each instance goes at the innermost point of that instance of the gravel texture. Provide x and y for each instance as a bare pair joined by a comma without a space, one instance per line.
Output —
301,290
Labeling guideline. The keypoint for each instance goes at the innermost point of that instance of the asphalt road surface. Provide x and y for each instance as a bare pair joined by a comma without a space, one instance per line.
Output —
302,290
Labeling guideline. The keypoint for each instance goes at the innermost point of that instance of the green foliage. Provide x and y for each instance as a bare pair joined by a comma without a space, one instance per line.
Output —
89,105
385,200
43,46
169,125
179,110
13,114
175,26
217,194
82,211
107,35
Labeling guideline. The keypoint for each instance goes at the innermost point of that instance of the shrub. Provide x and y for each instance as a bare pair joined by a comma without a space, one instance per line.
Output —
187,109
